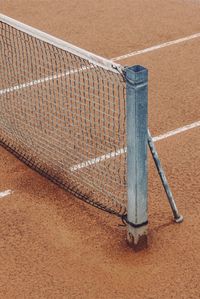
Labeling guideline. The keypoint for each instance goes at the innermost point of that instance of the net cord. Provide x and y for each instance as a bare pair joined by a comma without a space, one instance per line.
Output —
92,58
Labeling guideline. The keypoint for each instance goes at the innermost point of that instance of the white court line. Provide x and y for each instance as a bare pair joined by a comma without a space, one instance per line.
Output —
124,150
42,36
41,80
135,53
157,47
5,193
177,131
99,159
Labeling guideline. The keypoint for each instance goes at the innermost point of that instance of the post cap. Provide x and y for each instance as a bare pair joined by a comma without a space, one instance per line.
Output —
136,74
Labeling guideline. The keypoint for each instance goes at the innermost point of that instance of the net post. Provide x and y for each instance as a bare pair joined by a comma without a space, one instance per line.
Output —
137,119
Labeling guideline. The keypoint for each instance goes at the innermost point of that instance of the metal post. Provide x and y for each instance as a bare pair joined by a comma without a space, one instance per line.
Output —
137,105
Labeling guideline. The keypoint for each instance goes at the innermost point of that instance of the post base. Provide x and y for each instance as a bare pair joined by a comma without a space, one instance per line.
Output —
137,238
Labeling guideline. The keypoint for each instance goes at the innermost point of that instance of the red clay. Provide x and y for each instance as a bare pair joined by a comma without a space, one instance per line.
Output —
54,246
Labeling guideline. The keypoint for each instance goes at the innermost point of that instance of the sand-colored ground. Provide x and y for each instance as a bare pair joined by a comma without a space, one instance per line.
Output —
54,246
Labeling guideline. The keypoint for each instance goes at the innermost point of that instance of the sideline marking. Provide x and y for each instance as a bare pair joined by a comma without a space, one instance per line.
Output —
177,131
5,193
124,150
41,80
157,47
99,159
135,53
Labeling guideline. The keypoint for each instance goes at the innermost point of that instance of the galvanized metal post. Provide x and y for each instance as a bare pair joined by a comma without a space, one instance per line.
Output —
137,105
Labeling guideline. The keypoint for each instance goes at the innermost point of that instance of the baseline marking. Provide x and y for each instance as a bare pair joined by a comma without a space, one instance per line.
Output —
157,47
5,193
124,150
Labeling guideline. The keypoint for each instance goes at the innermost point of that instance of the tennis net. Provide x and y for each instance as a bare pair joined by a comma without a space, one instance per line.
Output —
62,112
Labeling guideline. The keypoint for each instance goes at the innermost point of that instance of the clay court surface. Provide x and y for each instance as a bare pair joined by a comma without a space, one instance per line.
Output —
52,245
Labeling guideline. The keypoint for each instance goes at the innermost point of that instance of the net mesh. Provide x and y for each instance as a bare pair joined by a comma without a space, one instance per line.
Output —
64,117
